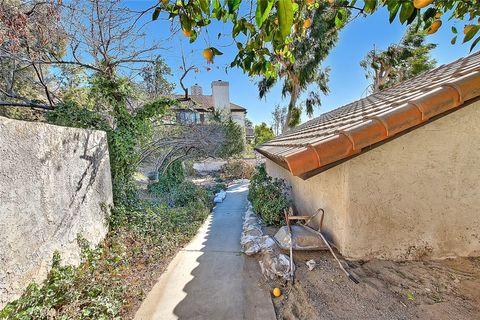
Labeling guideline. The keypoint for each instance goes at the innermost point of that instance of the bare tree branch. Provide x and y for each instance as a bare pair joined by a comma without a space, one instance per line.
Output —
26,105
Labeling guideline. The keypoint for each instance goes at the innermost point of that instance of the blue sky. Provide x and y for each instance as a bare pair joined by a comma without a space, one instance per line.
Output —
347,80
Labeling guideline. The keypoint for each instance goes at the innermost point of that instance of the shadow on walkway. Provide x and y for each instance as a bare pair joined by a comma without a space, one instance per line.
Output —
210,278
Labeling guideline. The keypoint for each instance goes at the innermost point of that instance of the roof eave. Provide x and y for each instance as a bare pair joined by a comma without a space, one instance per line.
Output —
345,144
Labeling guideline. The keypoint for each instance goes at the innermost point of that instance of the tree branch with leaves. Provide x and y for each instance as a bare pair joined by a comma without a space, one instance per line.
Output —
399,62
268,33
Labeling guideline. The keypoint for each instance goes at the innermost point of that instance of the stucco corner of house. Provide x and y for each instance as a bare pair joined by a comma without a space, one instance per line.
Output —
410,198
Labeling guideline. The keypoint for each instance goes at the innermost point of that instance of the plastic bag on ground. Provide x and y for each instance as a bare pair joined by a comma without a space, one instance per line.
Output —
267,243
251,239
311,264
253,230
252,245
275,265
220,196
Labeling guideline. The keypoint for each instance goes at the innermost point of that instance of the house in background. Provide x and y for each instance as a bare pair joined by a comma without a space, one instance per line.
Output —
200,108
397,172
249,134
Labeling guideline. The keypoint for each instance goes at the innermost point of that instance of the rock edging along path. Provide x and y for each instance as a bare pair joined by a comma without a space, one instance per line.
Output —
210,278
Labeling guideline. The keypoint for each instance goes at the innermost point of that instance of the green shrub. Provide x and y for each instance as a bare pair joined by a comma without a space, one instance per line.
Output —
172,177
161,225
189,170
269,197
90,291
174,190
187,193
238,169
234,143
217,188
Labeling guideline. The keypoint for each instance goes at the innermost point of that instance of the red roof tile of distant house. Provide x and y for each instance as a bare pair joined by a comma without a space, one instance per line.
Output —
347,131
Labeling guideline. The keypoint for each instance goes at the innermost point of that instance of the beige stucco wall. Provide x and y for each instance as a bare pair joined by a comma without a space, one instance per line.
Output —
417,196
326,190
53,183
239,118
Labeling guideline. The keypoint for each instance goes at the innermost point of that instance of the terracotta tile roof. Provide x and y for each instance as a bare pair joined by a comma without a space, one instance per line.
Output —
344,132
206,102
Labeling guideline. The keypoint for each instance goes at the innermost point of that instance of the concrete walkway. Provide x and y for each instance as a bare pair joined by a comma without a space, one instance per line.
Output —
210,278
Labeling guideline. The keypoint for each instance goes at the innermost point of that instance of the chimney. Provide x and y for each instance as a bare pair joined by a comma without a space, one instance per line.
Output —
221,96
196,90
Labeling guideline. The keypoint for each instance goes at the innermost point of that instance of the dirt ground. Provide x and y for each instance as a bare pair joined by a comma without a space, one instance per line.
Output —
141,277
448,289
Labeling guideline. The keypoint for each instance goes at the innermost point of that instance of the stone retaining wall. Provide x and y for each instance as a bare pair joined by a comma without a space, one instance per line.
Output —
54,185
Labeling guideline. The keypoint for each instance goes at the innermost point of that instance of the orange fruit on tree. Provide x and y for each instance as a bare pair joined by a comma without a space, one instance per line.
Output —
419,4
277,292
467,29
438,15
187,33
307,23
331,1
208,54
434,27
310,2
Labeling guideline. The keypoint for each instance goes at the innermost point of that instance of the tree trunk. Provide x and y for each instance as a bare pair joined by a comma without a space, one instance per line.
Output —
293,101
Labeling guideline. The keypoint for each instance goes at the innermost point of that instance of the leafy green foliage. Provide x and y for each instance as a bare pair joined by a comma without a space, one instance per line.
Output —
174,190
234,143
187,193
125,136
21,113
161,225
181,194
262,133
269,197
407,13
85,292
70,114
263,10
101,286
399,61
155,84
172,177
259,35
268,34
285,17
309,51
